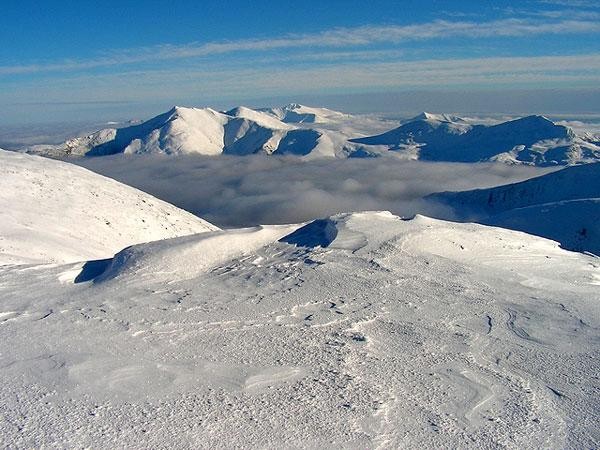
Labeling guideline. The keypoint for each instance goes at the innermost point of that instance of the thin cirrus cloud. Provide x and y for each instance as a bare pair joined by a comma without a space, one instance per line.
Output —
228,84
571,3
335,38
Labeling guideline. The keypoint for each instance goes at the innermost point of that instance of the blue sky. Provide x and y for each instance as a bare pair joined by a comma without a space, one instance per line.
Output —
96,60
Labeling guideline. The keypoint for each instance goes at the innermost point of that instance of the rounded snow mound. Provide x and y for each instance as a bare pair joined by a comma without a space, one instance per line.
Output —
185,257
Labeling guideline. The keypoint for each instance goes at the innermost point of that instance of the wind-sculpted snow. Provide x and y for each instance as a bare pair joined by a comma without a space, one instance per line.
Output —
189,256
356,331
319,233
563,205
322,133
51,211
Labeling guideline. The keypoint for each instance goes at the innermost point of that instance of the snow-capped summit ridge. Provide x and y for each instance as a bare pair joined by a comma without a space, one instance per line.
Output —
312,132
532,140
297,113
427,116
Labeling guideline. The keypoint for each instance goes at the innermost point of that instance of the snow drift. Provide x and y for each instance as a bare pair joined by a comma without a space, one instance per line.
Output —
362,330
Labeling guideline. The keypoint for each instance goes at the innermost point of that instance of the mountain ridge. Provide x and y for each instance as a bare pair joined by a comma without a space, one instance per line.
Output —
562,205
534,140
312,132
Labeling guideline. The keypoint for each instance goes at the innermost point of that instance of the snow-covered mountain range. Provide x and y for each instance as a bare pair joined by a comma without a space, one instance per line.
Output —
239,131
55,212
532,140
562,205
318,132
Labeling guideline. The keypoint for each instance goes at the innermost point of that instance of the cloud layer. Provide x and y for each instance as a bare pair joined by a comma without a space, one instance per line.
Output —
245,191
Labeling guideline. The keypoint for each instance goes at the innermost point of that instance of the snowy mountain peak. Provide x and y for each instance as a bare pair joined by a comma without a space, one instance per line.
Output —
297,113
176,109
532,140
426,116
293,106
301,130
536,127
239,110
535,121
189,112
183,110
259,117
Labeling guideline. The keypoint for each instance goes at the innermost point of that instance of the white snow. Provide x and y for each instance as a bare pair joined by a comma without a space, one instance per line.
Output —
563,205
314,133
533,140
357,331
296,113
126,322
51,211
260,117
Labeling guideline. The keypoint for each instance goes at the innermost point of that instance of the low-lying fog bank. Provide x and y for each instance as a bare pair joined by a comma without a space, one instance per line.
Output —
236,192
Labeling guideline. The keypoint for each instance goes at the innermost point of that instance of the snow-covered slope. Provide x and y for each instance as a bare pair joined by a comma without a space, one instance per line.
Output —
529,140
51,211
354,331
563,205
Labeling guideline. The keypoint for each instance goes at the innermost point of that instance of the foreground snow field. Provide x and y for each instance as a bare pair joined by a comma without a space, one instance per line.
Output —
361,330
51,211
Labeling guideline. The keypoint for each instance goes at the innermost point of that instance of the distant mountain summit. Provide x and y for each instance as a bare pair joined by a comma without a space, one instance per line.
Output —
312,132
296,113
534,140
182,130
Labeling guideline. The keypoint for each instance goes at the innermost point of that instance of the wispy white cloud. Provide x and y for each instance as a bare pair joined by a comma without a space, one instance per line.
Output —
335,38
572,3
573,14
223,83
